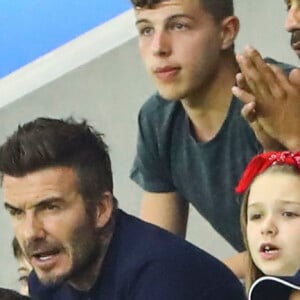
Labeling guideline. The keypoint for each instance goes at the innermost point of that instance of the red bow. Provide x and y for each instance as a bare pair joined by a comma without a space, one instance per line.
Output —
262,162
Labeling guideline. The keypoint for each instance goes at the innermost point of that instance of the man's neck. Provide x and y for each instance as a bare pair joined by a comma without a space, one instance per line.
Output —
87,278
208,108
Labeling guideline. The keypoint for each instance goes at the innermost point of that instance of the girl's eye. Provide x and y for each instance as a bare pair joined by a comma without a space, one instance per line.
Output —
23,280
289,214
255,216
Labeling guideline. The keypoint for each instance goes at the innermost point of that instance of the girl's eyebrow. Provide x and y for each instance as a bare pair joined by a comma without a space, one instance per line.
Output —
290,202
257,204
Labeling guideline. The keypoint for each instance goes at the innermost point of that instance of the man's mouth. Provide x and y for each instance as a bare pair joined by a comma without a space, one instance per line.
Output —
295,40
45,255
45,260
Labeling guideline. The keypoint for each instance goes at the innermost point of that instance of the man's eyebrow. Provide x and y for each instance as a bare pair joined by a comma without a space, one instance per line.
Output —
170,18
48,201
39,204
9,206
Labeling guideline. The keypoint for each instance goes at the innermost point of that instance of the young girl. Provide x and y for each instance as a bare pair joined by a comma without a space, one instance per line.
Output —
24,267
270,214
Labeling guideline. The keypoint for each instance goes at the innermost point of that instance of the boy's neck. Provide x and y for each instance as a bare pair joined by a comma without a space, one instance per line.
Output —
208,109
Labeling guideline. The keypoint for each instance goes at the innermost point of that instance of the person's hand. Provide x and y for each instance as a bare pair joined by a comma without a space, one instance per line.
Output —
268,143
273,98
243,92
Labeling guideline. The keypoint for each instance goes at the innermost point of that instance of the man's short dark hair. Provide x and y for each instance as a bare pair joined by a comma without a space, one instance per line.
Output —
46,142
219,9
6,294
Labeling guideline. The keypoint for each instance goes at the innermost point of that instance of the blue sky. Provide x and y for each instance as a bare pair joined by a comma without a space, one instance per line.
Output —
31,28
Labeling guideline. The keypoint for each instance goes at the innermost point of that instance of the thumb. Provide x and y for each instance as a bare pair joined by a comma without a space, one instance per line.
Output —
295,77
248,112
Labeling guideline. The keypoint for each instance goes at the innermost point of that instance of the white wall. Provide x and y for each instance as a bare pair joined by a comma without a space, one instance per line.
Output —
109,90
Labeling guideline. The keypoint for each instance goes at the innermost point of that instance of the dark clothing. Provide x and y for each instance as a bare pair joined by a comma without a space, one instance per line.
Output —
145,262
274,288
170,159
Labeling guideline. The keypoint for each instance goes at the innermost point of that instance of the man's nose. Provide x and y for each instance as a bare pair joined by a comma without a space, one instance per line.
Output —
293,19
161,43
32,227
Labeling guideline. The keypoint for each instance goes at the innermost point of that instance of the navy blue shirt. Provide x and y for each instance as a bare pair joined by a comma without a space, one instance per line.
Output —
145,262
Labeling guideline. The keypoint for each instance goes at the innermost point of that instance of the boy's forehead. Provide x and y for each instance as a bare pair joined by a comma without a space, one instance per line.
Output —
168,3
167,8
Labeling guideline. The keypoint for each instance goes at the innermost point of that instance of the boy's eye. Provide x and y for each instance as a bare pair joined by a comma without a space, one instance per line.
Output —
146,31
178,26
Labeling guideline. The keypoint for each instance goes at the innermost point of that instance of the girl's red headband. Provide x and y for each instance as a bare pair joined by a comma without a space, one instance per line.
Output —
262,162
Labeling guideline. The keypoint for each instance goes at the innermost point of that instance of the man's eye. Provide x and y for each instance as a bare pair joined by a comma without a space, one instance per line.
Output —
15,212
51,206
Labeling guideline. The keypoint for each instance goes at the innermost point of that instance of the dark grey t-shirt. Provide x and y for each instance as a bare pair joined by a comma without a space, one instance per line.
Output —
170,159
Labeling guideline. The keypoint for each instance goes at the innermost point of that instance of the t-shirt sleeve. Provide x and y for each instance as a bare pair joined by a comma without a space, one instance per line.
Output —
170,280
287,68
150,168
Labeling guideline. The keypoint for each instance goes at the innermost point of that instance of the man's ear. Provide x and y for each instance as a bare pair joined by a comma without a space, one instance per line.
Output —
104,208
230,28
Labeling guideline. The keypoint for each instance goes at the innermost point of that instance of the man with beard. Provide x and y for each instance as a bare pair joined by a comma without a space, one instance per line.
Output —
58,189
272,99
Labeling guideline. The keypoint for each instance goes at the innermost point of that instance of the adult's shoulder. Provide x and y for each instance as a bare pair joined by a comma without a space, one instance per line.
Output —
287,68
164,259
160,244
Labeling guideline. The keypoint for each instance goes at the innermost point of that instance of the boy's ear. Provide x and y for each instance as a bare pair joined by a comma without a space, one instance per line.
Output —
104,208
230,28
